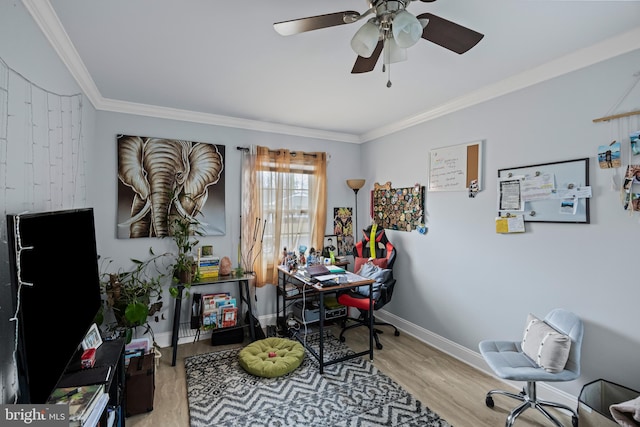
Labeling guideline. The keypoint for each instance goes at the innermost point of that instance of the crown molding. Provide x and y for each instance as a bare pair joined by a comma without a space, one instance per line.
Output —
607,49
46,18
49,23
116,106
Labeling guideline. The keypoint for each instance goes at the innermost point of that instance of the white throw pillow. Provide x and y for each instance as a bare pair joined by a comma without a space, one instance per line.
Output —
547,347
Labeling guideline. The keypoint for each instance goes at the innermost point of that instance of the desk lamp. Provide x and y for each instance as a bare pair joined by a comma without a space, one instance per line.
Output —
355,185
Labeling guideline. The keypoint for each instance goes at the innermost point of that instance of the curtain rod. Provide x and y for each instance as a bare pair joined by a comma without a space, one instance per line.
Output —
617,116
293,153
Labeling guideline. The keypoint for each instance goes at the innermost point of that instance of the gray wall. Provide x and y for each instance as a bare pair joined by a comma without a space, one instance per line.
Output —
464,282
461,282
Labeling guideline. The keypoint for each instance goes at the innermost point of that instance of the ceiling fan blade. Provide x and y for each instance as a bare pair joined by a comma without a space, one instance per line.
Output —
295,26
364,65
448,34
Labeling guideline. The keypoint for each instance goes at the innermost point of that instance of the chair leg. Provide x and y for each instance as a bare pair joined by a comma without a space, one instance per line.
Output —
364,321
396,332
516,413
529,399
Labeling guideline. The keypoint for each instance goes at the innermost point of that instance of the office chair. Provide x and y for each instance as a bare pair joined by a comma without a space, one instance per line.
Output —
378,264
537,358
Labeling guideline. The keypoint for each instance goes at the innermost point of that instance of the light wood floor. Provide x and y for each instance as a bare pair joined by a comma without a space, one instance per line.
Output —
447,386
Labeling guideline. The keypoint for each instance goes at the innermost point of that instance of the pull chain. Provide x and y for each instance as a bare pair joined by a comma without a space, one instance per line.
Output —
386,54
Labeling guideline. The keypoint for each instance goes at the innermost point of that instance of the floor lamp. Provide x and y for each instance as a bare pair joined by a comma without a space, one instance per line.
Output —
355,185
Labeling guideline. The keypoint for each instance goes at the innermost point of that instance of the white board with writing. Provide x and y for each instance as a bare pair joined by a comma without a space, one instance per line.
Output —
452,168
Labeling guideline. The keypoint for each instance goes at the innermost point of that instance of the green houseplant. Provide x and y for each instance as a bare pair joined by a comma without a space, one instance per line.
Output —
135,294
184,231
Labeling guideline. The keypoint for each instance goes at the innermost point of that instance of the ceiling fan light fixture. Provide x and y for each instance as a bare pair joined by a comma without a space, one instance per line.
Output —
406,29
393,53
365,39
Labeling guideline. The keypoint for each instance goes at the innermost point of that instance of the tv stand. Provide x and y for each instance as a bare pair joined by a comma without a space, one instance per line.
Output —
109,370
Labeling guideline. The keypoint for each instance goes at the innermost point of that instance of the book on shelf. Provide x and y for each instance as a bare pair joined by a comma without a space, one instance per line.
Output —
208,300
82,401
208,260
227,300
229,316
94,418
209,320
208,274
221,309
204,276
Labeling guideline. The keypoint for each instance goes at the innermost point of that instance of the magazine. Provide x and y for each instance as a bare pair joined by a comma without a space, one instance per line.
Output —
81,400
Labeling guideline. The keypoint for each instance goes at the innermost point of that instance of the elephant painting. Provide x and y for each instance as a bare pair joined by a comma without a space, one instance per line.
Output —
164,178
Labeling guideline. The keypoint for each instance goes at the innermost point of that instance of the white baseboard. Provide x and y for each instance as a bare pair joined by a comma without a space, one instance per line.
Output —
471,358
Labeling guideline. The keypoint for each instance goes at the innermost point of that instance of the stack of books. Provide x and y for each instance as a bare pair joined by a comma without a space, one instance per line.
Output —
86,403
208,266
218,311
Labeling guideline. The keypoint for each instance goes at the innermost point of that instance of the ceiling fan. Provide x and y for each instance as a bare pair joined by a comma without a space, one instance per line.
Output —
391,30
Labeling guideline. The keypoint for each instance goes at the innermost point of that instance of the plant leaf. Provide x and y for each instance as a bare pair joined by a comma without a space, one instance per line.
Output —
136,313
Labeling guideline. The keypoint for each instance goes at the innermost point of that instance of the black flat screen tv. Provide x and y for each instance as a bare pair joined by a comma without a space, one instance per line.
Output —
59,296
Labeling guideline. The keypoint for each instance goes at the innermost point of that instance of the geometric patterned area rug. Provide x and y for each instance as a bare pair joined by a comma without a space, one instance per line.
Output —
350,393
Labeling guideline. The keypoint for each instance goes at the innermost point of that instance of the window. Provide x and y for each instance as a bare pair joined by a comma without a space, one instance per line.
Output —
285,195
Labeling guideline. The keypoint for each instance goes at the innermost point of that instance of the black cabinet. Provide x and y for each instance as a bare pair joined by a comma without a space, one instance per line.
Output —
108,370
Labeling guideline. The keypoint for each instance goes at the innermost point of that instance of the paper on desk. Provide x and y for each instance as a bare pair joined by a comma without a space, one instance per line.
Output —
326,277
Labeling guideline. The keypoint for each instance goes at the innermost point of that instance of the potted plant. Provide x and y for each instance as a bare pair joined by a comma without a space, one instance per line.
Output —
184,231
134,295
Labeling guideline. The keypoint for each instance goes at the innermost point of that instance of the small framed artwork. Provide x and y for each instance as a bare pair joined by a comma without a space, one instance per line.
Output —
92,339
329,245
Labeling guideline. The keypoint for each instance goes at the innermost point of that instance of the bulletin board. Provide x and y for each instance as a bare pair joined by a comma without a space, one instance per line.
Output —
454,168
397,208
569,177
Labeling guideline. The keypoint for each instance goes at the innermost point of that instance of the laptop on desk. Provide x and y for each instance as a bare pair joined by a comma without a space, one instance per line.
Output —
317,270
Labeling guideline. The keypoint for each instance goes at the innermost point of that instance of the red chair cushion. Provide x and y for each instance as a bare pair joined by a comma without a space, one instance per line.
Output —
358,301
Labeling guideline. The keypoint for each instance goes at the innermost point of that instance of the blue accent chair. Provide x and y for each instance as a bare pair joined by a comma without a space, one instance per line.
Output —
509,362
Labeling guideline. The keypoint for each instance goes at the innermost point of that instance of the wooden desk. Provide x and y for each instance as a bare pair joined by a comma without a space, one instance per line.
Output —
353,281
243,289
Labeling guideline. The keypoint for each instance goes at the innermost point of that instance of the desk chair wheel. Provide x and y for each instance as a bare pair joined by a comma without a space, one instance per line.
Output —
379,346
574,421
489,401
342,339
396,333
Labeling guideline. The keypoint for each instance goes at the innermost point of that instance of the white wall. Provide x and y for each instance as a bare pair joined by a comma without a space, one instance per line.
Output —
465,283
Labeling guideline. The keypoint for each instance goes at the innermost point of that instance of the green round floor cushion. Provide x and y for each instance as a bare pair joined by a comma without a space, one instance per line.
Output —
271,357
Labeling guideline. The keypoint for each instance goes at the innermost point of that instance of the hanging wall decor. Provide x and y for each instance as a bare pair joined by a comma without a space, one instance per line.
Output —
629,194
398,208
160,178
343,229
